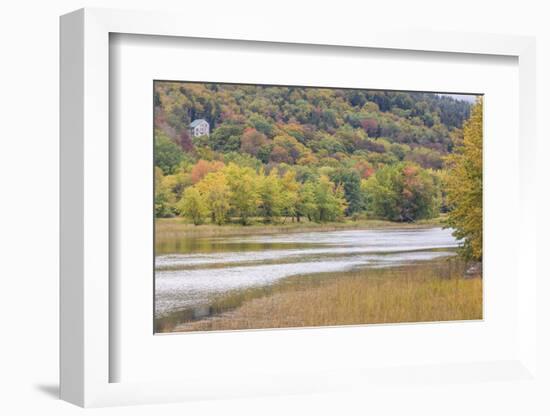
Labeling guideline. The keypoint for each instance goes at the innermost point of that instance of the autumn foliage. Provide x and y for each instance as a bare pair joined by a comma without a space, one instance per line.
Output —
203,168
278,154
465,186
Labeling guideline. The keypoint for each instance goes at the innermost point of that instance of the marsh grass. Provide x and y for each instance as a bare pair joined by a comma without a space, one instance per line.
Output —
423,292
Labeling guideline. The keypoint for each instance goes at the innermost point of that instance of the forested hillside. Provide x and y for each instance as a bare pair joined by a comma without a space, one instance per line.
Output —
319,153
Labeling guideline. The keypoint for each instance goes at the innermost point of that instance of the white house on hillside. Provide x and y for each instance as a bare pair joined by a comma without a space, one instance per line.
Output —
199,127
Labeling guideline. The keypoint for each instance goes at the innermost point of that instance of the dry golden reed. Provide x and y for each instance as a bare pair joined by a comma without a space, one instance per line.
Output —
413,294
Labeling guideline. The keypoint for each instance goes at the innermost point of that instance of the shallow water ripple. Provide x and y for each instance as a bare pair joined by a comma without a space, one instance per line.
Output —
187,280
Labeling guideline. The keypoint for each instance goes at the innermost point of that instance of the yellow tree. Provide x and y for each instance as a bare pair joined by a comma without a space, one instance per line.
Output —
289,194
164,199
243,191
465,186
193,205
270,193
215,189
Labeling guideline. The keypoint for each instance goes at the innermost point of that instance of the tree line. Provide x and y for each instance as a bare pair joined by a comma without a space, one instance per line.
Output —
215,192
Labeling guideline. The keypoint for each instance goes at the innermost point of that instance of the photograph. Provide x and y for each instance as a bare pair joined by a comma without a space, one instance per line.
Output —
282,206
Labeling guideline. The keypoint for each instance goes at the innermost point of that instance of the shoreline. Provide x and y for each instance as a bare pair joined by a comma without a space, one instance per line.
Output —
174,227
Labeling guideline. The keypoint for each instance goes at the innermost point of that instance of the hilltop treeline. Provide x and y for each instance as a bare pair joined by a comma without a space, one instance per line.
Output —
301,150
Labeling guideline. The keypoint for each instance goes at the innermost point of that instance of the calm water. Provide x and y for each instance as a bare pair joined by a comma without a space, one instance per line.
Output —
197,271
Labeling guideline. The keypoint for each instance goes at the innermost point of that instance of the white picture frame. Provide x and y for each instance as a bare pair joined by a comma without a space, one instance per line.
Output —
86,355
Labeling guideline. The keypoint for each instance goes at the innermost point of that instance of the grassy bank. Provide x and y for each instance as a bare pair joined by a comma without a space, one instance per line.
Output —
429,291
170,228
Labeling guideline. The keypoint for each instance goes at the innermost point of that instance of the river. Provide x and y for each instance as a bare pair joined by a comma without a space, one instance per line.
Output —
200,270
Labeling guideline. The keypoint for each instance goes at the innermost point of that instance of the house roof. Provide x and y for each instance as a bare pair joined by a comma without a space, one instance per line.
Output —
196,122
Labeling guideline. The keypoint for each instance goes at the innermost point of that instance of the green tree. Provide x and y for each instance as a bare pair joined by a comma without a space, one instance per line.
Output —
306,205
227,137
261,124
329,199
402,192
163,197
465,186
351,182
193,205
382,193
168,154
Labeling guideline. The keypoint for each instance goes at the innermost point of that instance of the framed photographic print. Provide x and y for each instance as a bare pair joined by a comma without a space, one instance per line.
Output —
275,213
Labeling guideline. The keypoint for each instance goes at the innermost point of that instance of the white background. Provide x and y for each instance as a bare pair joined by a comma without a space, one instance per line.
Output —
29,209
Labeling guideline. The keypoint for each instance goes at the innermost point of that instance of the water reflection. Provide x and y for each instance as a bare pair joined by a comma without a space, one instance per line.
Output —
192,274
